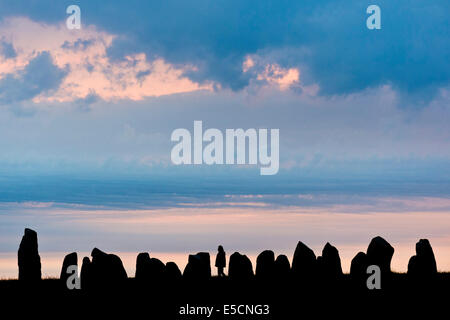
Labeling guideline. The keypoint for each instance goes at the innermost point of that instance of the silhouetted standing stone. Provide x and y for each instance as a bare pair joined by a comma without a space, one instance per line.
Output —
380,253
358,269
157,270
149,269
107,270
265,265
240,267
28,257
86,274
282,267
206,262
319,265
142,266
359,264
304,263
173,273
69,260
198,267
422,266
330,263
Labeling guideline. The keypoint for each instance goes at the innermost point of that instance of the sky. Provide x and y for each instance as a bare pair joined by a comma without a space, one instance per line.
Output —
86,117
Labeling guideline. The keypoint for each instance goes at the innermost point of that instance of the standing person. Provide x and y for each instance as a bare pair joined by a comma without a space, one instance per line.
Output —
220,261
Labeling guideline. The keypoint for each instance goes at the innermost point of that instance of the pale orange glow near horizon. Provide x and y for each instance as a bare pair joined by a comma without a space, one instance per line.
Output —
250,230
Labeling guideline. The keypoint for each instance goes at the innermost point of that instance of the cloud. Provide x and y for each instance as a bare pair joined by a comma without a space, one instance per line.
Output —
266,73
40,76
90,72
86,102
7,50
364,135
327,40
151,93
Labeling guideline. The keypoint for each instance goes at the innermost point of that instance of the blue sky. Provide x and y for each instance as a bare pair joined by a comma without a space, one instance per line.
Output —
86,115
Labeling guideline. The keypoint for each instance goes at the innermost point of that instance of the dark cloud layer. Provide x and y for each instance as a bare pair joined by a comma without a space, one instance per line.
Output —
328,40
7,50
39,76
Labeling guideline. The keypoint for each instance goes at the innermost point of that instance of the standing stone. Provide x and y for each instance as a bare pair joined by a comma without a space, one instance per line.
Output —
265,264
330,263
198,267
156,270
304,263
86,274
149,269
28,257
319,265
282,267
107,270
240,267
69,260
142,266
173,273
358,269
206,263
423,265
359,265
380,253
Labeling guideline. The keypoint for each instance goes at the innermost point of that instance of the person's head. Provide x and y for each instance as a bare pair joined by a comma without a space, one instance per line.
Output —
220,248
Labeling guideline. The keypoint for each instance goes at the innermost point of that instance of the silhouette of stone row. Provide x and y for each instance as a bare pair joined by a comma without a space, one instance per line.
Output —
106,270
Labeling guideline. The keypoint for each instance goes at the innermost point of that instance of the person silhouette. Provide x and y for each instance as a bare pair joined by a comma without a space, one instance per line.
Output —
220,261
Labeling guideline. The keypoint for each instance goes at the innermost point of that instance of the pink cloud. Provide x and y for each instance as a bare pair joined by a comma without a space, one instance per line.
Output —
275,76
84,54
